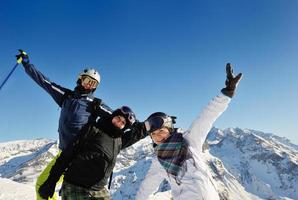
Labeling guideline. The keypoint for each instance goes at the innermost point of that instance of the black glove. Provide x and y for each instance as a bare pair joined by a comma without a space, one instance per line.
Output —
47,189
22,57
231,81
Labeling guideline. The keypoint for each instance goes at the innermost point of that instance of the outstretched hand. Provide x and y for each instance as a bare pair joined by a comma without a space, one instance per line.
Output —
231,81
22,57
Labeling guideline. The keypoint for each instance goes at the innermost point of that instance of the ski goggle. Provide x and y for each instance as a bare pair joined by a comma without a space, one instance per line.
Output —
88,83
129,113
152,124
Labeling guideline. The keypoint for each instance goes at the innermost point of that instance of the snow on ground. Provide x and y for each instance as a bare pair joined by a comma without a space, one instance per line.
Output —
16,190
19,191
161,196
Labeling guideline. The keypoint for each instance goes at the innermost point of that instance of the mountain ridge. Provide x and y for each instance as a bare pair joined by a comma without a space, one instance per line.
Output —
243,164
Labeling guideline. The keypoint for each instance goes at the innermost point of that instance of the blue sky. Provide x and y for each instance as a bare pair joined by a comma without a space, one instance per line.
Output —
153,56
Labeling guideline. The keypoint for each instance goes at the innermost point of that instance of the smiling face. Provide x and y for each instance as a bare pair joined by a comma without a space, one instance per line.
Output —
160,135
119,121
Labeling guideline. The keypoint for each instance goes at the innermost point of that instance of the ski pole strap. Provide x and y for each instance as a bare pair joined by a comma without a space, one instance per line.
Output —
7,77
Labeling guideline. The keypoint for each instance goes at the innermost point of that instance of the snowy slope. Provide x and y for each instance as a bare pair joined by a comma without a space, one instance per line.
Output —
11,190
243,164
131,167
23,160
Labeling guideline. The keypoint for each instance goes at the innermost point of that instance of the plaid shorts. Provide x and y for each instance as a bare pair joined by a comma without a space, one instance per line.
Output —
72,192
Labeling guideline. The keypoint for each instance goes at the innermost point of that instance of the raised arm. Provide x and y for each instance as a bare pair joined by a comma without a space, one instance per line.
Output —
200,127
56,91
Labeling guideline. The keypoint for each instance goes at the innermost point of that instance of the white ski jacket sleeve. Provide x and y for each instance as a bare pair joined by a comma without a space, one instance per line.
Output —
199,129
155,175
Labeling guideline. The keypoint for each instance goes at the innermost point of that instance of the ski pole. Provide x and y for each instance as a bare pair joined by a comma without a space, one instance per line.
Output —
7,77
110,181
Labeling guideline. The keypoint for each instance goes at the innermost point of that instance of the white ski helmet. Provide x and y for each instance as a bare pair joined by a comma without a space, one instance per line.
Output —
91,72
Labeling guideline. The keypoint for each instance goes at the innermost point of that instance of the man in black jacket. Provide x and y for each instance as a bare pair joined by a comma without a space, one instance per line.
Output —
89,161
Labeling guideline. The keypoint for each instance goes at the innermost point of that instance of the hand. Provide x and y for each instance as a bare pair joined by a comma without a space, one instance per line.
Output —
231,81
22,57
47,189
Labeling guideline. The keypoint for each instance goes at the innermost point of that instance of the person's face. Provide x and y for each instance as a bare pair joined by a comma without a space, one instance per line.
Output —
119,122
160,135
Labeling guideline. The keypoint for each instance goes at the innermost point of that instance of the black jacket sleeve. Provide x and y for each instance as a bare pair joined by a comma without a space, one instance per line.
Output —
134,134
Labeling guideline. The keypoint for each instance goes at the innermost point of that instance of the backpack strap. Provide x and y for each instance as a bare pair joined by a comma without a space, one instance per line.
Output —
95,108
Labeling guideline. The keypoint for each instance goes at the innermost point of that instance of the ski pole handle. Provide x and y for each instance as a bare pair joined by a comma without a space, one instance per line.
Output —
22,57
19,60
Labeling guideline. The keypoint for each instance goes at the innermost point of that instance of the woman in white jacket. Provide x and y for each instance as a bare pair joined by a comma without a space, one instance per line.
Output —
179,155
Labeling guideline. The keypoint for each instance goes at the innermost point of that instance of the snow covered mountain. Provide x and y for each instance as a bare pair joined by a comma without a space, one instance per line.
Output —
264,164
244,164
22,161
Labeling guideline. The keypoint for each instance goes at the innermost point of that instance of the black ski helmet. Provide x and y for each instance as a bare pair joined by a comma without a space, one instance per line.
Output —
127,113
158,120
